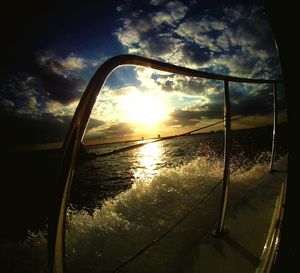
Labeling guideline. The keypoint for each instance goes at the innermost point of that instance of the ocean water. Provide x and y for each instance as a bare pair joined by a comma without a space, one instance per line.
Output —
122,202
104,177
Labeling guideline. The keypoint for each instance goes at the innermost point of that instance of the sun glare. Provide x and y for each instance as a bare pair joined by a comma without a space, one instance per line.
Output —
144,109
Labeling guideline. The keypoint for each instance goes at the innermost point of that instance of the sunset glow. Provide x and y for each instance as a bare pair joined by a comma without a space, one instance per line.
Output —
136,102
143,109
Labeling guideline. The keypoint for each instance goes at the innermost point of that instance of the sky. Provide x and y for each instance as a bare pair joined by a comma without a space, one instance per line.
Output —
51,50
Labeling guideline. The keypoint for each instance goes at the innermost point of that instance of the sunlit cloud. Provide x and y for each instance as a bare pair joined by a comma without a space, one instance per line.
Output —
128,37
107,107
74,63
162,18
145,76
177,9
61,65
57,109
173,13
238,42
233,40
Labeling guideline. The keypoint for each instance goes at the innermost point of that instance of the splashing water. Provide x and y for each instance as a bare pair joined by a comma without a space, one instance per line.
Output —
135,217
125,224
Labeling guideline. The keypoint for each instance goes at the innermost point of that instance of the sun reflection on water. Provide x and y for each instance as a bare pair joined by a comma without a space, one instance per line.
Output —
149,157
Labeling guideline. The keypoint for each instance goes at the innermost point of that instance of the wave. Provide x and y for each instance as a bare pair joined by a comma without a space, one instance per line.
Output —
126,223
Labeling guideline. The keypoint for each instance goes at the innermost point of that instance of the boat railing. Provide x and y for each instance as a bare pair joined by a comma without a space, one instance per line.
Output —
74,137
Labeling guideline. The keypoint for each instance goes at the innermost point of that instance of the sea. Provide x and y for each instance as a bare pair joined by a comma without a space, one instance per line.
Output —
123,200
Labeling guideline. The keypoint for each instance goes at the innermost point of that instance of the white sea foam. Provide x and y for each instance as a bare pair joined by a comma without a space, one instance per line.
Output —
123,225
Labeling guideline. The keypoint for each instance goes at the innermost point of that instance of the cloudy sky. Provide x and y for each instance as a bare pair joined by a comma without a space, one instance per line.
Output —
52,51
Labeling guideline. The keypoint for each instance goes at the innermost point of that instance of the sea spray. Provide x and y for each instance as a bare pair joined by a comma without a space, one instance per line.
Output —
126,223
136,217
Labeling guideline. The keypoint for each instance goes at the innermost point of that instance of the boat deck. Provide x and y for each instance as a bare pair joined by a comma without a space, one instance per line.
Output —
253,224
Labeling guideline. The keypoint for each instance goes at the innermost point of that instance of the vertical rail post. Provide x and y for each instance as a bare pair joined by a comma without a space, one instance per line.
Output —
219,231
275,123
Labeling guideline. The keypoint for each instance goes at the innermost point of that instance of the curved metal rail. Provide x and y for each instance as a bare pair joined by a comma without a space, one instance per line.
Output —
56,228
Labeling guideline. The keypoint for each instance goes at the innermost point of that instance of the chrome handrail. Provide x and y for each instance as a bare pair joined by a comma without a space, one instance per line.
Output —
73,140
275,124
227,151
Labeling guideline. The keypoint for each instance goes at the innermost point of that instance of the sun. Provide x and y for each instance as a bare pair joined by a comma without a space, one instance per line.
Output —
144,108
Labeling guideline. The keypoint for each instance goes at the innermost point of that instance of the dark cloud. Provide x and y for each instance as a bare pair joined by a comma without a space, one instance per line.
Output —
196,55
269,69
194,116
184,117
25,129
242,64
256,33
257,101
94,123
21,94
114,131
199,86
95,130
190,86
213,110
45,128
168,86
61,89
245,100
58,79
50,79
157,46
119,129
